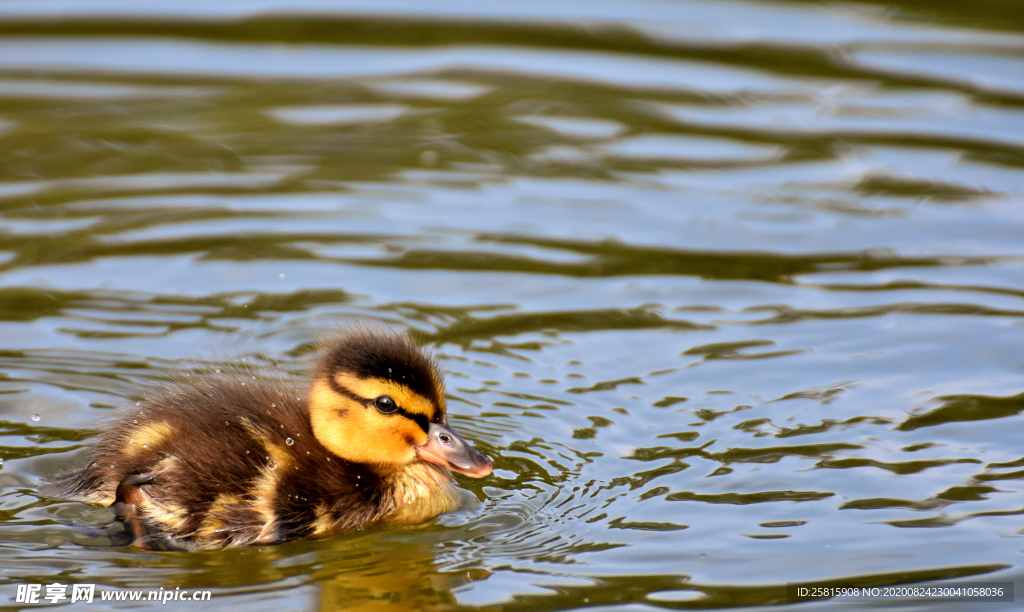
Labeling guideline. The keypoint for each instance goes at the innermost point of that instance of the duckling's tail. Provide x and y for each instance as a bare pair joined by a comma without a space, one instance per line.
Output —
85,485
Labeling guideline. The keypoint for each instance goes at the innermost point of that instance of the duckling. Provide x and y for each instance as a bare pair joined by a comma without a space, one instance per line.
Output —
232,462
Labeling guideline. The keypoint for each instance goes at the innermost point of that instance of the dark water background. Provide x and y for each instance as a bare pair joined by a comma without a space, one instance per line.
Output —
733,292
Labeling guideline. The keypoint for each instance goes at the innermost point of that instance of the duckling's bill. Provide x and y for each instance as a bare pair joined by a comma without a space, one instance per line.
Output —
446,448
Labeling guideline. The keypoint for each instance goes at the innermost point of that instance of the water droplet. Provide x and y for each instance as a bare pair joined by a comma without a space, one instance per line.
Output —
307,452
273,405
226,423
268,412
217,370
282,425
131,441
272,465
281,275
145,446
136,421
268,457
36,417
289,441
246,452
138,403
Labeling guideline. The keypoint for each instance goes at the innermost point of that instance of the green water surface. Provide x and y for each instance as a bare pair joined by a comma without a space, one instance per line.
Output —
731,292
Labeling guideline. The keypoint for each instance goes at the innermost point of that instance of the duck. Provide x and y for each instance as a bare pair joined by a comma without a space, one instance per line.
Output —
232,461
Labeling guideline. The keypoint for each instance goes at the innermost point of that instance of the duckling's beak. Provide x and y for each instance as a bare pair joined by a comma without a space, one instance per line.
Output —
445,447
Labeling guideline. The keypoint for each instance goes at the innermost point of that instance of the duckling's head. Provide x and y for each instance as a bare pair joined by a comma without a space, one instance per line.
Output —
378,399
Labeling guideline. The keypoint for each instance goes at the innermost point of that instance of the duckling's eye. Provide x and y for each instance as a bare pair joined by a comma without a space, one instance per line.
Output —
385,404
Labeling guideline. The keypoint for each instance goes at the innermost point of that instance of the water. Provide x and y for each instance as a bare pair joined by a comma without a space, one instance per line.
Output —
730,292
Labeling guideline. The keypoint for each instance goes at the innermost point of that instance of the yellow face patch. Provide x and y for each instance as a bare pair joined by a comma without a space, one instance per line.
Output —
356,431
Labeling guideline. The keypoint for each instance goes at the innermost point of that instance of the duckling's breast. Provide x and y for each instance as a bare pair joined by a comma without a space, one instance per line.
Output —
420,491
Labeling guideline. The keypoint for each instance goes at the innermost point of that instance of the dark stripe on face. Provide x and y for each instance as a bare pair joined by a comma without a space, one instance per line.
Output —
389,356
344,391
419,419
